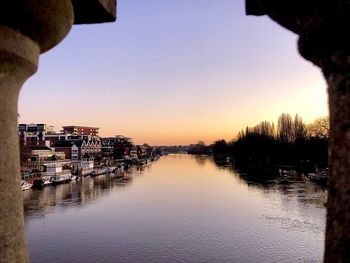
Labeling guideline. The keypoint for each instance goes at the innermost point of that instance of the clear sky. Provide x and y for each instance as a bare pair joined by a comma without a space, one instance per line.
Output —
174,72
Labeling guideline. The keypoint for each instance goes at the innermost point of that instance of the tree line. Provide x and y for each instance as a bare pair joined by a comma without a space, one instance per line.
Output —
290,142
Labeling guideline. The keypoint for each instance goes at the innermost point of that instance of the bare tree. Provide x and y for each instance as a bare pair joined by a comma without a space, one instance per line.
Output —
285,129
319,128
300,131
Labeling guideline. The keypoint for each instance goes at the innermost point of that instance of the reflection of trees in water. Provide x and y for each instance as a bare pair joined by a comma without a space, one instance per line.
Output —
200,159
39,202
293,187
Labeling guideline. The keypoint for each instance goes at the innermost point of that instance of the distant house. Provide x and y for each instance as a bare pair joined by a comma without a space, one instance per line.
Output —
121,146
72,149
133,153
34,134
142,151
40,154
80,130
75,149
107,152
86,165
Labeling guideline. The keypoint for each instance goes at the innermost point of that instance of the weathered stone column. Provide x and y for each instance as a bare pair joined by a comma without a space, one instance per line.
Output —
18,60
323,27
28,28
338,205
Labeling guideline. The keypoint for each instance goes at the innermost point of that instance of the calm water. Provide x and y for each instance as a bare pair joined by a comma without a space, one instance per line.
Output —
179,209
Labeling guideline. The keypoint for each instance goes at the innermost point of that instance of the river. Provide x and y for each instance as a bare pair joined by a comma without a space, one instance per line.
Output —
181,208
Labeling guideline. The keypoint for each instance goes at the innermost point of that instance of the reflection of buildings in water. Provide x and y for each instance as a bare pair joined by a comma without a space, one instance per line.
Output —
39,202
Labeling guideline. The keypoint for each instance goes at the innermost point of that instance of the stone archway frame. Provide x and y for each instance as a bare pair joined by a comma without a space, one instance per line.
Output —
323,27
27,29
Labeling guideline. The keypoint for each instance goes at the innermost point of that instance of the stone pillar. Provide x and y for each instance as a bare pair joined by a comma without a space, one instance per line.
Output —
325,42
18,60
338,205
28,28
324,39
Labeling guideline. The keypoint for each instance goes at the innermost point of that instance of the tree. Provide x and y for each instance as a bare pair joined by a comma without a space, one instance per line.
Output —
285,129
319,128
300,131
220,147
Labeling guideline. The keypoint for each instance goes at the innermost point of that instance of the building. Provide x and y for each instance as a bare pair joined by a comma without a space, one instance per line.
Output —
107,152
86,165
56,168
121,146
39,134
41,154
133,153
80,130
75,149
34,134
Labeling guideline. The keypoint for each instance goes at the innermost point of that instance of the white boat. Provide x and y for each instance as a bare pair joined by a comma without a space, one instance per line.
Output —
74,178
111,169
56,173
59,179
41,182
25,185
47,183
98,172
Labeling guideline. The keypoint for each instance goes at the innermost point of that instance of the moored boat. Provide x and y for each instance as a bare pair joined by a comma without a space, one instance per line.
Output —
319,177
59,179
41,182
56,172
25,185
98,172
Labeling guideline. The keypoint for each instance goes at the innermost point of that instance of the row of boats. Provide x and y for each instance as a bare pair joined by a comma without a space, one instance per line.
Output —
65,176
318,176
41,182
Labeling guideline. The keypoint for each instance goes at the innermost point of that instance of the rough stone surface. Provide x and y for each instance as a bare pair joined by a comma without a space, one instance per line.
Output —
46,22
323,27
338,206
18,60
94,11
28,28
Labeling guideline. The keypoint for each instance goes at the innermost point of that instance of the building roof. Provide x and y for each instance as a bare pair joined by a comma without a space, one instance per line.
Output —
65,143
52,158
40,147
77,126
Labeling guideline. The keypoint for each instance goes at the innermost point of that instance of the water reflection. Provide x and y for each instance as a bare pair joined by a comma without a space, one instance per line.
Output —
201,159
289,186
38,202
182,208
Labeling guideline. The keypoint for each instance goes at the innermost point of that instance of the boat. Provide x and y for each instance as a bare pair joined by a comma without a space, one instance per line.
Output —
58,179
25,185
56,172
41,182
47,183
111,169
285,172
319,177
98,172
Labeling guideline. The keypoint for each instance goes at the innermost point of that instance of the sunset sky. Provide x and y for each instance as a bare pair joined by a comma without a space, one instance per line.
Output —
174,72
